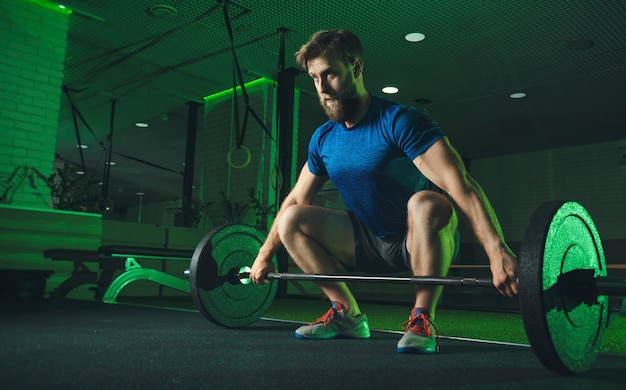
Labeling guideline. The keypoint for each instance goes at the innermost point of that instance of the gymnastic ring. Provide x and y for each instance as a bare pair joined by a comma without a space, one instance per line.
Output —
245,163
276,179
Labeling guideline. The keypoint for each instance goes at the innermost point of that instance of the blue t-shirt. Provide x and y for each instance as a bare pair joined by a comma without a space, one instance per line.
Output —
371,164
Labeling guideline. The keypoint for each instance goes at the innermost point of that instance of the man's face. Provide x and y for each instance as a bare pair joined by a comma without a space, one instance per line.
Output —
335,87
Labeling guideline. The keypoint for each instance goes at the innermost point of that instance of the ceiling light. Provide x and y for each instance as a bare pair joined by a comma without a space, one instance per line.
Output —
415,37
141,124
111,163
80,172
163,11
517,95
390,90
82,146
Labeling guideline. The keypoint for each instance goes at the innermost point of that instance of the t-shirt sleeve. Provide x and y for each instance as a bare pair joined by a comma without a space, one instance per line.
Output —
314,161
415,131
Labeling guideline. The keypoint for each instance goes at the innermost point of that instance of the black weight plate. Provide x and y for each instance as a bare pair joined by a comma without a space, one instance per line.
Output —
564,330
215,291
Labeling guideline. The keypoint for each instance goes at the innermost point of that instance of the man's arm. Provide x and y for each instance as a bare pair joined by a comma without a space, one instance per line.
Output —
442,165
303,193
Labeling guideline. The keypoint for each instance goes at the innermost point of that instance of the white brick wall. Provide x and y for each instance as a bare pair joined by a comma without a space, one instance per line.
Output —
32,54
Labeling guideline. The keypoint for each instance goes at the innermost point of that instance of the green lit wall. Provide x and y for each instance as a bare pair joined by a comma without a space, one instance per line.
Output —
32,54
589,174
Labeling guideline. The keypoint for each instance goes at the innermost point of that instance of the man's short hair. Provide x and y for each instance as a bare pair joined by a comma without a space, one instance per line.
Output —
332,45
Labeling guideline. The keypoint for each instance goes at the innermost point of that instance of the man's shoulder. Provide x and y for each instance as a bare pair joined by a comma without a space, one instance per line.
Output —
324,128
384,103
391,113
391,108
321,133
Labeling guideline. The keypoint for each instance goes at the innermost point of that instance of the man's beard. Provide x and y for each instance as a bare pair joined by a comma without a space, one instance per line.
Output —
344,106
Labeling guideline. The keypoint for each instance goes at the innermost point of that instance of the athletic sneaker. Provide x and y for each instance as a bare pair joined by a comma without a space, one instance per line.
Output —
335,323
420,334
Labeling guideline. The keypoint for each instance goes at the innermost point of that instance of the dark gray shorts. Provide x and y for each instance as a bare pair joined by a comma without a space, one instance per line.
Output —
383,255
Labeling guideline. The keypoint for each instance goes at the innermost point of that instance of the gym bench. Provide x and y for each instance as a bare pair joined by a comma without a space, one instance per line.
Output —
114,258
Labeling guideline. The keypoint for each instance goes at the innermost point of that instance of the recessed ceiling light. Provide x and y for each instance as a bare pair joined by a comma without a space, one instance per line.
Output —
517,95
390,90
415,37
141,124
163,11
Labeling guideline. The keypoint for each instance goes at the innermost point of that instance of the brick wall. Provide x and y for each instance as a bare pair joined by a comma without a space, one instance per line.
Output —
32,54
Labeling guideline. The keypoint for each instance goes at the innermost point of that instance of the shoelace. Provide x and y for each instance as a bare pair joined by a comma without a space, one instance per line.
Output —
325,319
420,324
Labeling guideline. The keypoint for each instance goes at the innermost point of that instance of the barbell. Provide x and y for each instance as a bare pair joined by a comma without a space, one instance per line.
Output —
563,291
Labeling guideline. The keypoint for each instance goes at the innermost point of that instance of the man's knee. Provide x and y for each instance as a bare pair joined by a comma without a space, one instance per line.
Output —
291,219
429,208
432,233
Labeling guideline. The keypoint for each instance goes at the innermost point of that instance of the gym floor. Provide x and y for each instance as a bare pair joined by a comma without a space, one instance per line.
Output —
77,344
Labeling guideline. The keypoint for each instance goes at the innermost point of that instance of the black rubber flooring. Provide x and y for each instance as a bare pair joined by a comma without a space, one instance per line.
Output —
84,345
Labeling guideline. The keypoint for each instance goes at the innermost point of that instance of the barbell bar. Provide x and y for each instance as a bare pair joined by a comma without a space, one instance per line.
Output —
243,276
579,281
563,290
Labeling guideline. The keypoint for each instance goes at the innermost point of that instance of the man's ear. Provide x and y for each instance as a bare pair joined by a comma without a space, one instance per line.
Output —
358,68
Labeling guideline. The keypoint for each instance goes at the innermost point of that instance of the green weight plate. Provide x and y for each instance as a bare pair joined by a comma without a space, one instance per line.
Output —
215,290
564,326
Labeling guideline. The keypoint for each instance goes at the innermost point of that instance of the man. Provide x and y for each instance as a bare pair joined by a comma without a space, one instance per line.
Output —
403,184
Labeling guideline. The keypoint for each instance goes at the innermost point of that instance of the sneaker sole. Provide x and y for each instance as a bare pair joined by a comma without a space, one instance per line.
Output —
336,336
415,351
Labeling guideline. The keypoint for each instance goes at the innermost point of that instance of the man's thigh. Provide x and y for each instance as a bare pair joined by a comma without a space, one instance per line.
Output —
330,228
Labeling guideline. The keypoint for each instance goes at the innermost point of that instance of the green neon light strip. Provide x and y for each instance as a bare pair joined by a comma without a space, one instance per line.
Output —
55,7
226,93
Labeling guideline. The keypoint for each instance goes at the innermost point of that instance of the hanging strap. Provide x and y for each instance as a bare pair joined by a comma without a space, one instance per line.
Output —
147,163
107,165
79,144
240,131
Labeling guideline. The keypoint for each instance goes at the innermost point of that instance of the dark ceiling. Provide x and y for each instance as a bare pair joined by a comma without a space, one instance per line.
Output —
152,58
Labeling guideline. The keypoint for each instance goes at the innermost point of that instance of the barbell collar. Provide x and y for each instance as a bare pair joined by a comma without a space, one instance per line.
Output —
610,286
582,284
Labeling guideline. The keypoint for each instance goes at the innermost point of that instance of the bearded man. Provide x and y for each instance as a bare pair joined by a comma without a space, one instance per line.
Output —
404,186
